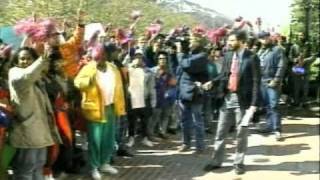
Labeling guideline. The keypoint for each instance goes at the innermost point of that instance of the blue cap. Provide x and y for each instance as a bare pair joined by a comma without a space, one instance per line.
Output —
110,47
263,34
4,119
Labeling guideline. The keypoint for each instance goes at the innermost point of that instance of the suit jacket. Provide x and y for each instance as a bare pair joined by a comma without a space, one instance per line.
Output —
249,80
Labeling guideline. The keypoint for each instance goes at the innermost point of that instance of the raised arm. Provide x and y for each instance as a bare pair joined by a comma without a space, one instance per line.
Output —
193,63
22,78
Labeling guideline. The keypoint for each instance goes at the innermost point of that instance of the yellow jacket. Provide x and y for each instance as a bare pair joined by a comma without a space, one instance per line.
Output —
91,104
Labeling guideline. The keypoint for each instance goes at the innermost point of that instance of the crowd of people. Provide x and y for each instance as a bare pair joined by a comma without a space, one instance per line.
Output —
117,87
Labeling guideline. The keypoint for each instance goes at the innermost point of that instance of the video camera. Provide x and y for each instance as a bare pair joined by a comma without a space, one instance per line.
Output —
183,39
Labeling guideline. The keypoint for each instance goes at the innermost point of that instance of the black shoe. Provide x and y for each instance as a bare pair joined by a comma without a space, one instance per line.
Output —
265,131
124,153
232,129
200,152
154,139
210,167
209,131
163,136
112,160
239,169
172,131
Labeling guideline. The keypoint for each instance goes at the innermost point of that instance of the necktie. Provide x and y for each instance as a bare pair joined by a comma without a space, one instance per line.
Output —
233,78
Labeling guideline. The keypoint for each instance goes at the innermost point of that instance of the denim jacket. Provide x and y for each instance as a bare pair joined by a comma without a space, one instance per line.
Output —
272,63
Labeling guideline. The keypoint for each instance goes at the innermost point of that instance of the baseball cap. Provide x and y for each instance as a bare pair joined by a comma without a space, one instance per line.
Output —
263,34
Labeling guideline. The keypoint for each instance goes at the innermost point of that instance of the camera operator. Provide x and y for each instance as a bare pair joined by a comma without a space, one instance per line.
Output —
192,71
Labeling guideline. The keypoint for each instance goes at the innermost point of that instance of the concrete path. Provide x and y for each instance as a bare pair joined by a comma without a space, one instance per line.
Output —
297,157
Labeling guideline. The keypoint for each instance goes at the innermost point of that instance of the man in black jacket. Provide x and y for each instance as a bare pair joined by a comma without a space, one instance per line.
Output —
238,84
191,72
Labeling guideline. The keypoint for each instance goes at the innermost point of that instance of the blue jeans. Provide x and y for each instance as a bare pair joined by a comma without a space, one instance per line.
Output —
191,118
28,164
174,117
160,120
270,98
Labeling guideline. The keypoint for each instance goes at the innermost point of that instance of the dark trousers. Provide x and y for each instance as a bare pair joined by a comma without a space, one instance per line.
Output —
226,119
122,126
133,116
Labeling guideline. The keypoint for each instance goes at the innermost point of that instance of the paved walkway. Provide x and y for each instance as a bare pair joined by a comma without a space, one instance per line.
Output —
297,157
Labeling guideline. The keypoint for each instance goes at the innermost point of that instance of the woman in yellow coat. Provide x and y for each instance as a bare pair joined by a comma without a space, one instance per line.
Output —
102,100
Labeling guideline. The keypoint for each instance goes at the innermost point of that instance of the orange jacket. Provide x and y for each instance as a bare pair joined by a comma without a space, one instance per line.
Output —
70,52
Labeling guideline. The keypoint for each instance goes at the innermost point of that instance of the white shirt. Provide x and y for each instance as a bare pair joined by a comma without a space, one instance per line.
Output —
136,87
106,82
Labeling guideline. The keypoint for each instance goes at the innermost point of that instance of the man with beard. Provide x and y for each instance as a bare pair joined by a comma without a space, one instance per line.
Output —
238,85
272,64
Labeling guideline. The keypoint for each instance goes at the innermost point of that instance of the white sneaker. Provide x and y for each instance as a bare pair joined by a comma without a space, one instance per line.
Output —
116,146
95,174
278,136
147,142
49,177
130,142
84,146
107,168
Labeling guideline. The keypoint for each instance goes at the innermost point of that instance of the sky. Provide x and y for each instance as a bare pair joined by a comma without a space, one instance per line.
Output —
272,12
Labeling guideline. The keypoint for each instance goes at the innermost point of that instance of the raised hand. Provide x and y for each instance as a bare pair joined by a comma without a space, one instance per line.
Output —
45,54
47,51
34,16
80,15
207,86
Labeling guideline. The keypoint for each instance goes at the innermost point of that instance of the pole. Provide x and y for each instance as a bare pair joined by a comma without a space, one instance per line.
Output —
307,27
317,38
290,33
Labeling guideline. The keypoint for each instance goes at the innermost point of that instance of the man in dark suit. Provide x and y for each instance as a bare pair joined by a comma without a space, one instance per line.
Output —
238,84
